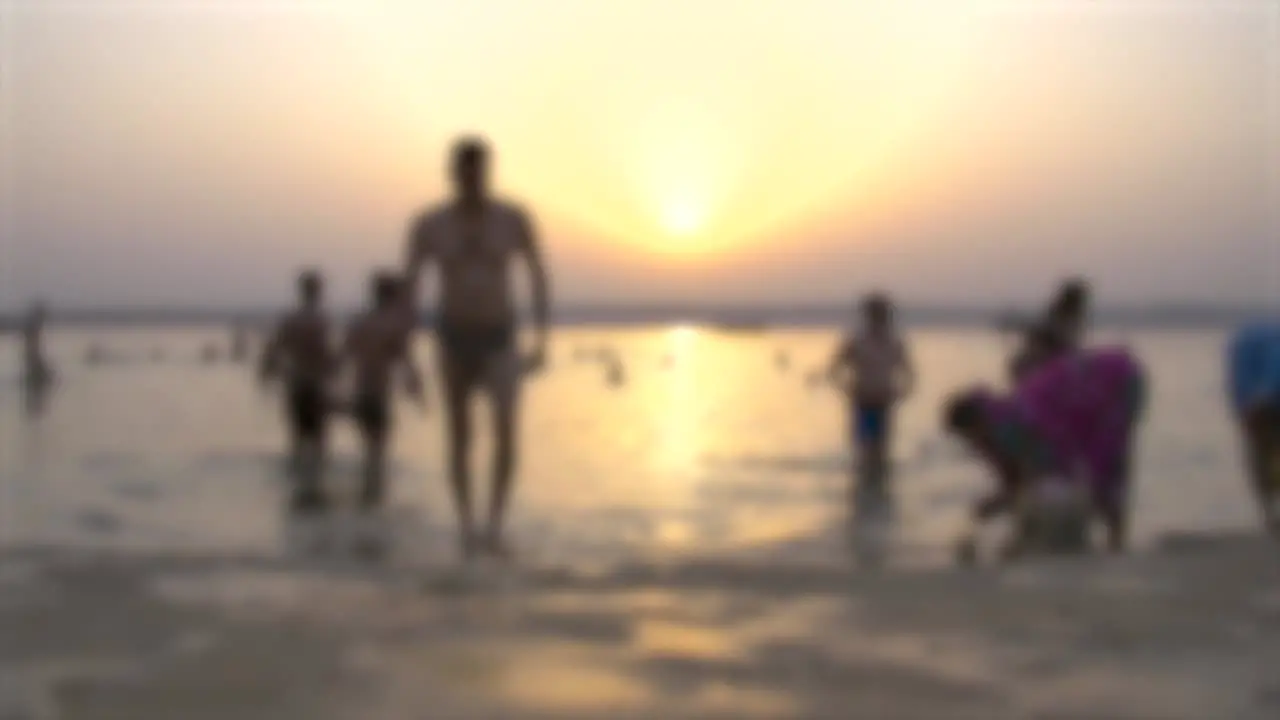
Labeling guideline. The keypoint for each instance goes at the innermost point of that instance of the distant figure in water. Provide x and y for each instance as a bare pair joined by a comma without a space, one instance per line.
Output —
1253,382
873,367
814,378
376,346
299,351
209,354
1060,330
37,374
1061,447
616,376
96,354
473,239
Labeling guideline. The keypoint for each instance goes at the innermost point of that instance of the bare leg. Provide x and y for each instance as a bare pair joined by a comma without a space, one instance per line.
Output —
504,393
1117,529
375,466
1115,512
374,430
458,409
873,459
857,453
308,468
1261,451
297,446
295,449
1022,532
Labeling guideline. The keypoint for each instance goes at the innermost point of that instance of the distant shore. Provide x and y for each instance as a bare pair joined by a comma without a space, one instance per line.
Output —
727,319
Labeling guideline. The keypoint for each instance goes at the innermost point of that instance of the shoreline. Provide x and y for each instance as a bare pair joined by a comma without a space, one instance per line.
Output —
1190,630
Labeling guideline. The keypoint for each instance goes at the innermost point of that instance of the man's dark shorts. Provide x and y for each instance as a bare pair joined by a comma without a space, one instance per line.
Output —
372,415
308,410
468,348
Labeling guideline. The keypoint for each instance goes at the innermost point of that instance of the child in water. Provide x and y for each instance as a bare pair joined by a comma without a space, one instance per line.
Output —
376,346
874,370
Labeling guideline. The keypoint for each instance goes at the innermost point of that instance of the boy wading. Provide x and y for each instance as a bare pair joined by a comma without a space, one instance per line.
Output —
376,347
874,370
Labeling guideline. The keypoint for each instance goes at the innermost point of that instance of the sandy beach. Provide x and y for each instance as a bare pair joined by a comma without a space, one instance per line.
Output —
1188,630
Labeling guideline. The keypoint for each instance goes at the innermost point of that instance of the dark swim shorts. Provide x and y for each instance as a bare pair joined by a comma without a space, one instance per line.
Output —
308,409
871,422
468,348
372,415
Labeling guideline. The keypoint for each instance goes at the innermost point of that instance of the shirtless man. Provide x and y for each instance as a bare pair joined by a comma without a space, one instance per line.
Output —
473,239
299,350
377,344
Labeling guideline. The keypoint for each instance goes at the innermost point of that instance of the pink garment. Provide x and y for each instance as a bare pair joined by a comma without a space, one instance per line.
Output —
1083,407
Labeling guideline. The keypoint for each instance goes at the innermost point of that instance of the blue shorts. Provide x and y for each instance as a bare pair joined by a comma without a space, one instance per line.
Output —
871,423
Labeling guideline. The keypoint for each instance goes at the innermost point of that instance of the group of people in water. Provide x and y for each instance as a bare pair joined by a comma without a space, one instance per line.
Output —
1058,442
471,241
1058,439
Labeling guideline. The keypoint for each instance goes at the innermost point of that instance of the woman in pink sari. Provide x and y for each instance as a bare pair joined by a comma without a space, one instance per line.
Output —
1071,420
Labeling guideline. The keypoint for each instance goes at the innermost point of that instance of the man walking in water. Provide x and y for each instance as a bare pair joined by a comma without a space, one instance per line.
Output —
473,239
300,351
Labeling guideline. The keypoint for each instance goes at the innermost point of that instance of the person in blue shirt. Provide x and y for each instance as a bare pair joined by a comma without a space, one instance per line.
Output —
1253,386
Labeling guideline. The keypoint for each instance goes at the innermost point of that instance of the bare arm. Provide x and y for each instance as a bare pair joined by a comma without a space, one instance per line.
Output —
415,385
539,282
269,363
838,369
906,371
346,350
1003,499
333,355
416,258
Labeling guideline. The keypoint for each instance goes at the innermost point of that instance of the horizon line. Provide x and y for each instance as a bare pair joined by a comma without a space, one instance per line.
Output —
728,315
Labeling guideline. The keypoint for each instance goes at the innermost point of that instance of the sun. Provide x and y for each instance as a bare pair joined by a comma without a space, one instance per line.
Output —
709,147
682,219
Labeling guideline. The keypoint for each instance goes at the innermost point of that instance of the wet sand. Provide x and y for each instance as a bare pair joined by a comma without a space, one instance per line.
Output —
1190,630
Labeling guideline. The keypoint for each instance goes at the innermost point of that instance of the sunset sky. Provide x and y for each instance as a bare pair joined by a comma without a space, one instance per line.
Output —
196,153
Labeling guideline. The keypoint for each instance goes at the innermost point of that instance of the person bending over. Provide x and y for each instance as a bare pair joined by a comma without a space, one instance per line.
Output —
1068,429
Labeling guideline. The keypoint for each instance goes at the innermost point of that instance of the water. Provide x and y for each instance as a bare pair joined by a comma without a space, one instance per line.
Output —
708,446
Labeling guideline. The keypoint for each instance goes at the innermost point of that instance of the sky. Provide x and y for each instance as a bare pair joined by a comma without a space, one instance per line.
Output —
196,153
